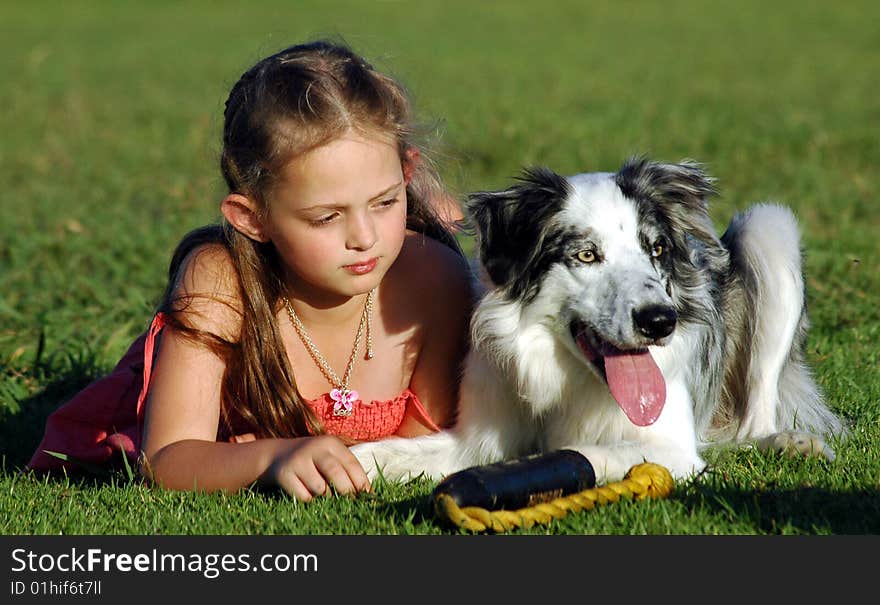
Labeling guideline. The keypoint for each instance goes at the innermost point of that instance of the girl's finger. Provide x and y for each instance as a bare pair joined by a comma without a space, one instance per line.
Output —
356,473
245,438
296,488
314,481
337,475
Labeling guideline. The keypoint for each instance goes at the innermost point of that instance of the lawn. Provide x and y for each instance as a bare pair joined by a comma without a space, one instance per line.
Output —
111,125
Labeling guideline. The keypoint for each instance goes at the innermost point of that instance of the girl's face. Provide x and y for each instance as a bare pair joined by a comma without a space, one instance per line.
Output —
337,216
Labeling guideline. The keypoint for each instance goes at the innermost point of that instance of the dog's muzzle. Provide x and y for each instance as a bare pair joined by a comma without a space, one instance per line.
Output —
632,376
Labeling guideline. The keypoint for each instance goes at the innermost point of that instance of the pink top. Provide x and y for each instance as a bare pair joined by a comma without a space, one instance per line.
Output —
108,414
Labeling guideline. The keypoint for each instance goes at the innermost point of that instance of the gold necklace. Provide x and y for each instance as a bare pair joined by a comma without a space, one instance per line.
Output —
343,397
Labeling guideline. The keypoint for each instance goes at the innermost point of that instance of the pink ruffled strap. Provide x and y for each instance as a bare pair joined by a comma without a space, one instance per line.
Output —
149,355
418,411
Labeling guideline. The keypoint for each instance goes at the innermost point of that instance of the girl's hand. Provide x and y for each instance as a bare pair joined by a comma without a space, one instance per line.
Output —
243,438
313,464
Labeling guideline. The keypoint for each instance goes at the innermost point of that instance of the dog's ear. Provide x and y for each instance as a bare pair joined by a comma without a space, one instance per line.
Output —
680,191
512,224
684,183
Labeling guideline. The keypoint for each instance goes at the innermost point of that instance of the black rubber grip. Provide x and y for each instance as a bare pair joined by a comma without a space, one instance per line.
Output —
520,482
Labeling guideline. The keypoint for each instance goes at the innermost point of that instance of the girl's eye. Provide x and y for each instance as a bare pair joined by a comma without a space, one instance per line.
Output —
324,220
587,256
387,203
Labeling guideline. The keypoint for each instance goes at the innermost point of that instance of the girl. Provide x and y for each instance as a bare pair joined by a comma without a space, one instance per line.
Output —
330,307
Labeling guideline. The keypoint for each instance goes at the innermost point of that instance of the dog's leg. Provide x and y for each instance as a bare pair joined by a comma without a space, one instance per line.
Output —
670,441
439,454
781,394
399,458
768,250
611,463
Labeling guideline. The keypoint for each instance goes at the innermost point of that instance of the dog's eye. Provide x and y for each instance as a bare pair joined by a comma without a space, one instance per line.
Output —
587,256
658,250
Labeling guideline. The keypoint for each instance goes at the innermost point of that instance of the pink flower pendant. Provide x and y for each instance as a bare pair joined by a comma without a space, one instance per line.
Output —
343,401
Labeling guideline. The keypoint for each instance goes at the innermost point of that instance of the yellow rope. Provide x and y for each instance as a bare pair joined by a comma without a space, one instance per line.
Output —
645,480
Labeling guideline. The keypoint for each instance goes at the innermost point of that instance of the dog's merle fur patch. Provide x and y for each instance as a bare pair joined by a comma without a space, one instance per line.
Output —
518,239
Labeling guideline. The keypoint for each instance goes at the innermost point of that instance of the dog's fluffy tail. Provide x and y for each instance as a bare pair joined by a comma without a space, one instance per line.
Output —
769,386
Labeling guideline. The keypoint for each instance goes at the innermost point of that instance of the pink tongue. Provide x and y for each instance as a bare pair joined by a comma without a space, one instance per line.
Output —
637,385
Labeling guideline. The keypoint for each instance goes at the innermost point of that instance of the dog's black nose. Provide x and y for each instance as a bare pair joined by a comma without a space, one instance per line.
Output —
655,321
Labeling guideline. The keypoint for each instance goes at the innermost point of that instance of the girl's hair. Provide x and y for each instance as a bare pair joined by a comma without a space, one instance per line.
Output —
287,104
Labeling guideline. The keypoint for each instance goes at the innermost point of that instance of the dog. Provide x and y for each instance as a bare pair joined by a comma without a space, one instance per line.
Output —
616,322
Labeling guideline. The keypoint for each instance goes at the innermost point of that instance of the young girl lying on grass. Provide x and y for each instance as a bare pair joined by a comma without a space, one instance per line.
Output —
330,307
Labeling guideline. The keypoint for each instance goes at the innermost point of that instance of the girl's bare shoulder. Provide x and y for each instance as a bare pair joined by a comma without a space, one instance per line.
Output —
433,275
207,290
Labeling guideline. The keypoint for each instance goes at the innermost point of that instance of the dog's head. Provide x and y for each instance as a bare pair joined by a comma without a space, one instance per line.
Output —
606,258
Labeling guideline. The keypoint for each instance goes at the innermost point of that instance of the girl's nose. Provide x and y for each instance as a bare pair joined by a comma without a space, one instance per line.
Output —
361,231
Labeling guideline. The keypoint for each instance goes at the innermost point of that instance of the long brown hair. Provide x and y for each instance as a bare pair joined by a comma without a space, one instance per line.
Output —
287,104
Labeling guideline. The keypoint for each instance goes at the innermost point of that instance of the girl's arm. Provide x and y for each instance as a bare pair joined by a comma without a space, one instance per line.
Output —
183,411
303,467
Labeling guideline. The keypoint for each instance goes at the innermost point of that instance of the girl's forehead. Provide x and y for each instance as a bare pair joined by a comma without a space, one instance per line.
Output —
350,168
350,143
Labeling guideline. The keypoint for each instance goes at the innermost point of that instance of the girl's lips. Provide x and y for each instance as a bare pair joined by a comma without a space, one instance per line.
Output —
362,268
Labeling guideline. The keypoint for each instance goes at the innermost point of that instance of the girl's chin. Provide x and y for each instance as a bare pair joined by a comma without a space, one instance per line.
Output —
356,284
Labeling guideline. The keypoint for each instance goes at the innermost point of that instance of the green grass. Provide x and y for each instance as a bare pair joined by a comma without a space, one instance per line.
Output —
111,119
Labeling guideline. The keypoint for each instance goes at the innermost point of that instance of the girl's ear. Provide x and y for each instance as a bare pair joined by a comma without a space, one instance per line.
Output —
413,157
242,213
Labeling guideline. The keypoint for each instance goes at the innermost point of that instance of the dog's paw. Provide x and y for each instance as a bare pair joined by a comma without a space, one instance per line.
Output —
380,459
683,468
366,455
796,443
612,463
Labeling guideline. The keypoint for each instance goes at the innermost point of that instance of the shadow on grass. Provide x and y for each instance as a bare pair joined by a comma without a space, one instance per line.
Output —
810,510
418,509
22,430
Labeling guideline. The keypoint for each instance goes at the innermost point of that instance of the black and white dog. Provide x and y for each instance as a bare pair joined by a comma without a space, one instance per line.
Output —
617,323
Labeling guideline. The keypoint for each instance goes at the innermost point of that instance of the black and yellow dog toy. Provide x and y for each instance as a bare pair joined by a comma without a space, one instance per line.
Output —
537,489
